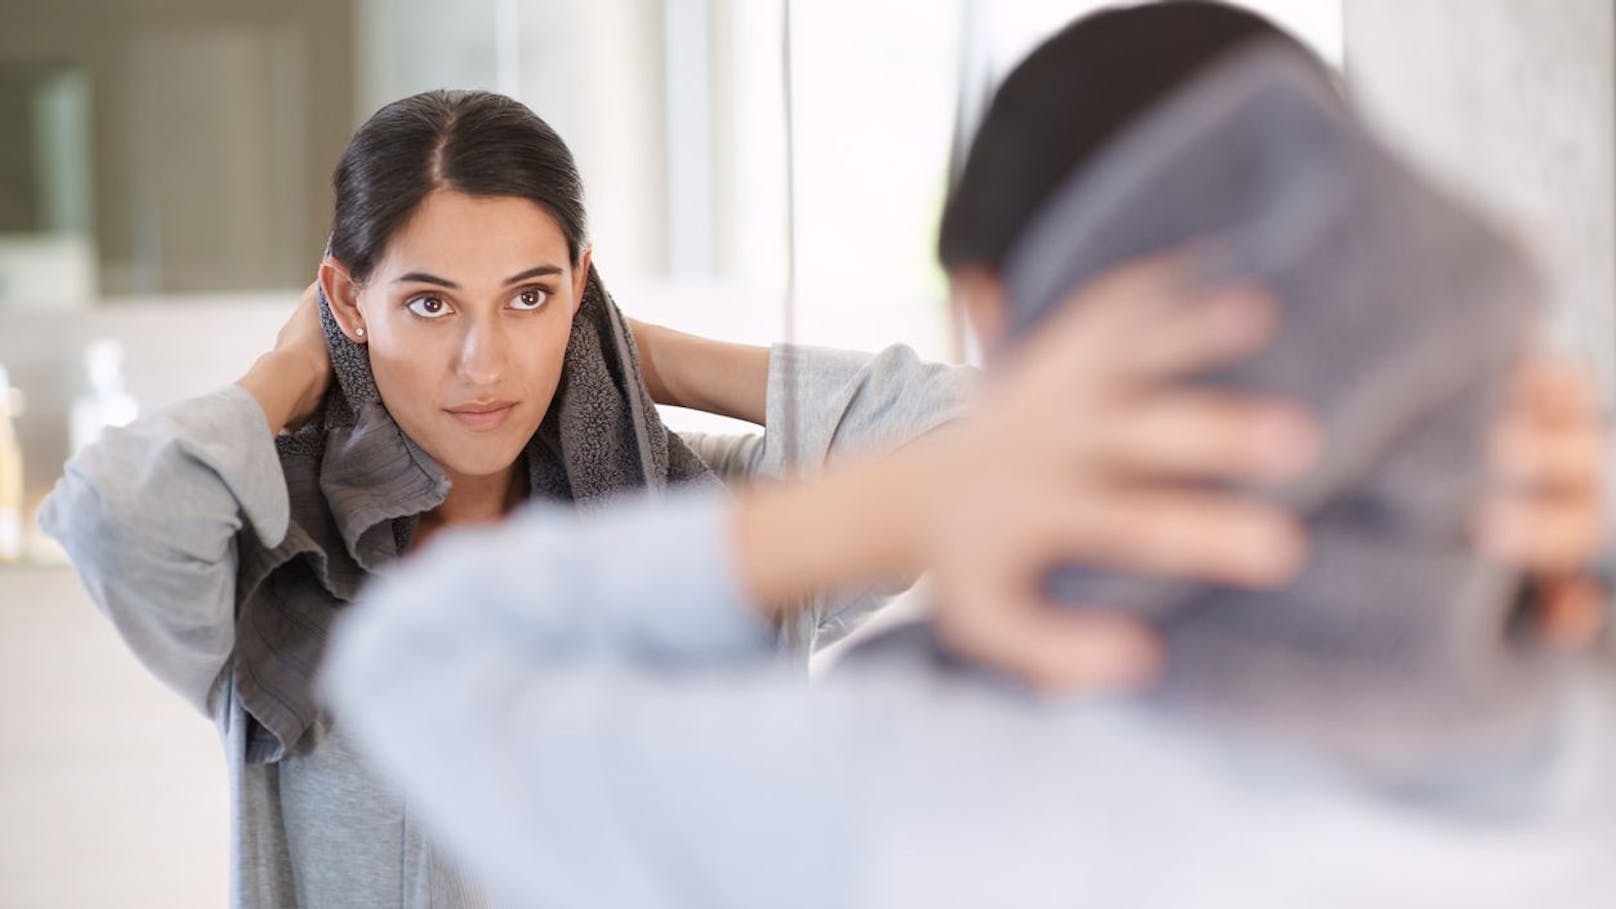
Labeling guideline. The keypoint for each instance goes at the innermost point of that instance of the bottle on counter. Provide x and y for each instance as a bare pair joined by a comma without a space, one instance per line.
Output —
106,402
11,539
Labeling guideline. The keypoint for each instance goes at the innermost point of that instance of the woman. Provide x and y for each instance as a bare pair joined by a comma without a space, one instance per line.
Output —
911,783
458,275
469,359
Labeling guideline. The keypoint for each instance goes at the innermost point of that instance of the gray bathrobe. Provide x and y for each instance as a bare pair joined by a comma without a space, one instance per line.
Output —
163,516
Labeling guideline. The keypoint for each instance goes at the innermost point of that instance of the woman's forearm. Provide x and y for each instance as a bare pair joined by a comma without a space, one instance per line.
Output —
286,386
683,370
860,524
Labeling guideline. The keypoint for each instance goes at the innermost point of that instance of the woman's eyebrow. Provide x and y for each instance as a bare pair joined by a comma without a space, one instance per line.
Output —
534,273
424,278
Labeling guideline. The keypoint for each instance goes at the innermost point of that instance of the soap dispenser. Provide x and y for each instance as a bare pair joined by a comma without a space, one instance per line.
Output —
106,402
11,542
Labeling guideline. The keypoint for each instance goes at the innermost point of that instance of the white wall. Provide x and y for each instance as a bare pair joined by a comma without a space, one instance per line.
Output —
592,69
113,792
1512,102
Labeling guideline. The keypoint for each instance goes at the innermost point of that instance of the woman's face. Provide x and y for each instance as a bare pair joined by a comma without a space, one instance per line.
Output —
467,315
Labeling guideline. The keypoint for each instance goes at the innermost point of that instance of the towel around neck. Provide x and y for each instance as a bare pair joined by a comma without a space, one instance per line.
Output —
357,486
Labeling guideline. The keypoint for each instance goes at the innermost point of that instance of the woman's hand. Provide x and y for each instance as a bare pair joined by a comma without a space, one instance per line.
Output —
1085,448
290,380
731,380
1546,511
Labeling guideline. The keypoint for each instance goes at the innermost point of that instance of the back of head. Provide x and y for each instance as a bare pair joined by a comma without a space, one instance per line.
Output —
1071,96
1393,650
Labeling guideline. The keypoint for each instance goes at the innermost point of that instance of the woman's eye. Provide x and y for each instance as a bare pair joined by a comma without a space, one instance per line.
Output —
532,298
428,307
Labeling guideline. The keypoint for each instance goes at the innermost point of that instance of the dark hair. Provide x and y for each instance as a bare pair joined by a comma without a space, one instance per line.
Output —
473,142
1072,94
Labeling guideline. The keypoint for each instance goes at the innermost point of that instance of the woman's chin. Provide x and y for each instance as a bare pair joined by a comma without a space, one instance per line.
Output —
476,457
476,452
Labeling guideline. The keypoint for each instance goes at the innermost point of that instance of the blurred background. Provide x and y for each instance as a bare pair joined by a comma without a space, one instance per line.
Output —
165,193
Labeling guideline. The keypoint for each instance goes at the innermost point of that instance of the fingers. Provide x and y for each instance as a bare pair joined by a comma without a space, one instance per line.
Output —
1210,434
1193,534
1549,448
1005,621
1543,536
1198,332
1164,533
1550,434
1572,613
1532,455
1553,391
1152,319
1058,650
1179,533
1547,458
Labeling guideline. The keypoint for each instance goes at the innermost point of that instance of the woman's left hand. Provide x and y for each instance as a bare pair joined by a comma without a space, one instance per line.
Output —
1546,511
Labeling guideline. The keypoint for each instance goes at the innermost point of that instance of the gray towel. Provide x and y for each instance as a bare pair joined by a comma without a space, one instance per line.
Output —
1402,311
357,485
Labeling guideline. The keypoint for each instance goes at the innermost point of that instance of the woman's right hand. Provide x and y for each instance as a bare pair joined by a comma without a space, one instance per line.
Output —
291,379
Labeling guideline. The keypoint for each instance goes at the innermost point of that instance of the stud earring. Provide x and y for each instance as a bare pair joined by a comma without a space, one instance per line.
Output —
360,331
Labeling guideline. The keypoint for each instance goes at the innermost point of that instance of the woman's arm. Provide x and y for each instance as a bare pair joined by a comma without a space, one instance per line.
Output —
816,402
151,512
149,515
717,377
825,404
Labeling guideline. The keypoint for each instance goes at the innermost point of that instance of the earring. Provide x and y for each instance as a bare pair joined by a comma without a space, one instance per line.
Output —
360,331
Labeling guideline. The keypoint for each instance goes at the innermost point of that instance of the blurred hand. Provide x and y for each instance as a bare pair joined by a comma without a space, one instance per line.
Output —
1546,512
1089,447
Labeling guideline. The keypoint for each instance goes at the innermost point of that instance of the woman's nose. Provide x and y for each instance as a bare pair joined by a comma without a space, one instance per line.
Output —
483,351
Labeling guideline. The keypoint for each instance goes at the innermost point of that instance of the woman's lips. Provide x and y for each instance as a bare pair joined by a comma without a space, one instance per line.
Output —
482,417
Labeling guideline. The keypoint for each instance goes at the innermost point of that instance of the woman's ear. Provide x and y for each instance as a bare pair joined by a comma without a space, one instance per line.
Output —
580,278
343,294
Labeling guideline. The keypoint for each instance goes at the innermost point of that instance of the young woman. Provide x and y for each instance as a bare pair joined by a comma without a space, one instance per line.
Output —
468,359
700,775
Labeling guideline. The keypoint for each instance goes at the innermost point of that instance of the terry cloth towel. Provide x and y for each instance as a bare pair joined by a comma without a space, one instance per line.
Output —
1401,313
357,485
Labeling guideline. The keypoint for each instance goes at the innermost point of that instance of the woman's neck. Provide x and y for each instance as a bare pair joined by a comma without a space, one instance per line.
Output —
475,500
